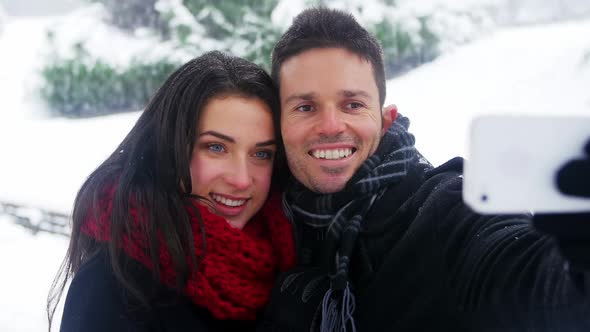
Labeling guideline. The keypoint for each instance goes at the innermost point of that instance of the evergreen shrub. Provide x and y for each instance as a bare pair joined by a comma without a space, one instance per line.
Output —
80,87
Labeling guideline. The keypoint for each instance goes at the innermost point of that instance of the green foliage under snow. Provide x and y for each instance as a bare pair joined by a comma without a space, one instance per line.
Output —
86,85
81,87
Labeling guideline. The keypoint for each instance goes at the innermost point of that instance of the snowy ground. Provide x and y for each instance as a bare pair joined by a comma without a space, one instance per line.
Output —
44,162
29,264
530,69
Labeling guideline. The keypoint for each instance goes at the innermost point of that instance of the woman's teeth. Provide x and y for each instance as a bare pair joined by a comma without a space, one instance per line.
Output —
227,201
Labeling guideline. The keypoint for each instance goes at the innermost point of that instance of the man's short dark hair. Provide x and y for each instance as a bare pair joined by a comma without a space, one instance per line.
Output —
325,28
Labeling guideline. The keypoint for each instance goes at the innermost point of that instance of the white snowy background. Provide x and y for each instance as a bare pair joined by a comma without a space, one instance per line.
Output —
533,61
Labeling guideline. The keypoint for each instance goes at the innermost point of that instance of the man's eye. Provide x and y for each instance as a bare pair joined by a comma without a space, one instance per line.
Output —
354,105
263,154
215,147
304,108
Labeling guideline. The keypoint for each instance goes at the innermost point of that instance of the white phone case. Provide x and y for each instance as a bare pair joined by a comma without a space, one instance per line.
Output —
512,163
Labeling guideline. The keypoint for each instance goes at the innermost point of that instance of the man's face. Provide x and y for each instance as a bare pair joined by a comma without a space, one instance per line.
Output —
330,116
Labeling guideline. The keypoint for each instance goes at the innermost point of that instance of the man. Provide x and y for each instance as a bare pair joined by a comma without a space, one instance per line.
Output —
384,241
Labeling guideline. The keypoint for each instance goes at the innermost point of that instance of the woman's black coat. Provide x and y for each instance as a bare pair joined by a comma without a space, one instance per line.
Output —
97,302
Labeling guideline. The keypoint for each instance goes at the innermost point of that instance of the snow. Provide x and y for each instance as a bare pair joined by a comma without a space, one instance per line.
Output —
529,70
181,17
539,69
49,158
29,266
454,22
86,26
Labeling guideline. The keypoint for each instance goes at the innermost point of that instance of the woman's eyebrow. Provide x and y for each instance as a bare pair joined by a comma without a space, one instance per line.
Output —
218,135
266,143
232,140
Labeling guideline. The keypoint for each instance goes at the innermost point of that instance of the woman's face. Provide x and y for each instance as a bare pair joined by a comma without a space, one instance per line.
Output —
232,161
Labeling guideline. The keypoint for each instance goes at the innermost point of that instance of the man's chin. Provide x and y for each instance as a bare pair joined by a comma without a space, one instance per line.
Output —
328,185
323,180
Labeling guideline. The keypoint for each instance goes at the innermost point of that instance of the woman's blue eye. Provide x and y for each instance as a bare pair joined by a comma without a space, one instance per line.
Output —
263,154
216,147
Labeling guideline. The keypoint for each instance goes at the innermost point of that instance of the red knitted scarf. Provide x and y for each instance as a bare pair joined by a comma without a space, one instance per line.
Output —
236,275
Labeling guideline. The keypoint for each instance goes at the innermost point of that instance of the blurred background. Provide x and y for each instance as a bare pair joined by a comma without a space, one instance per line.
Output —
75,75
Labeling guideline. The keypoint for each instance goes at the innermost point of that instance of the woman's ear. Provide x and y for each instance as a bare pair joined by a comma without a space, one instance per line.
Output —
389,116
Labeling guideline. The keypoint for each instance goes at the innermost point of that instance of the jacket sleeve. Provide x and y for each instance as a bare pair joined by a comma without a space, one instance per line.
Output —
502,273
95,302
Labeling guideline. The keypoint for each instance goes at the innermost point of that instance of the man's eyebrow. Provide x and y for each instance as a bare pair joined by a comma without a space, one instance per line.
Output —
267,143
301,96
354,93
218,135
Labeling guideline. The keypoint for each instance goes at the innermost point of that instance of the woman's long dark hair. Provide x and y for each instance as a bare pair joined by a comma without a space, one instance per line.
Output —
151,169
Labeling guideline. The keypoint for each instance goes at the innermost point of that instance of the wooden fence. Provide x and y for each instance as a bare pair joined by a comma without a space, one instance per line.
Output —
37,220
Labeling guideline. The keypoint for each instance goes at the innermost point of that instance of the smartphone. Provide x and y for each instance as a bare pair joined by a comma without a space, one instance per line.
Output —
512,162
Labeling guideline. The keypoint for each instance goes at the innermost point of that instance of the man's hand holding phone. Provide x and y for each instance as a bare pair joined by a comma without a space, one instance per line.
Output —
572,230
513,160
534,164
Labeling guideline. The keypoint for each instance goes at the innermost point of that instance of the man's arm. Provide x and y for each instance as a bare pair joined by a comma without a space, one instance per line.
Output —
502,273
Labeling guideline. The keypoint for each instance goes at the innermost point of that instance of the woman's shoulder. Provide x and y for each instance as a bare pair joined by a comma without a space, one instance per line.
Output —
94,280
94,301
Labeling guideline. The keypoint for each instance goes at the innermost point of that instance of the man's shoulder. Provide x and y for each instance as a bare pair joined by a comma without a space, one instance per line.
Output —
401,202
453,167
423,180
442,184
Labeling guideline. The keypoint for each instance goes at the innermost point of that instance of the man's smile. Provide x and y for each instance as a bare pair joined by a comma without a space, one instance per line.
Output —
332,154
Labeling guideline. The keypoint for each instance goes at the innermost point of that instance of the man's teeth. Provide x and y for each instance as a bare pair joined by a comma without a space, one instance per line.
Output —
228,202
332,154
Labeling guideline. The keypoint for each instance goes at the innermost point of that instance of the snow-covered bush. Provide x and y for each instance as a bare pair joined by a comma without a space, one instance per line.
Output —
167,33
456,27
132,14
414,32
405,46
92,68
82,87
541,11
243,28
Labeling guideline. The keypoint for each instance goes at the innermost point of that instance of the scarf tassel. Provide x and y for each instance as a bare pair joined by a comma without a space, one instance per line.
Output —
337,313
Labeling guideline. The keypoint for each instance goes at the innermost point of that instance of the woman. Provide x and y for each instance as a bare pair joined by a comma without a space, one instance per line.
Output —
176,229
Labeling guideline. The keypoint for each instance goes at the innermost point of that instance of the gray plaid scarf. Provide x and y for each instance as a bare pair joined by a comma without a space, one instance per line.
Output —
341,214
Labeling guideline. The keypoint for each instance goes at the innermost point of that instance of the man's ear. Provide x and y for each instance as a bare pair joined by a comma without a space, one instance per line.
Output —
389,116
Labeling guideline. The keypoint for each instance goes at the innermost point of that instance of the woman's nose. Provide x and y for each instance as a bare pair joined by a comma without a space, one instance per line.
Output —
238,175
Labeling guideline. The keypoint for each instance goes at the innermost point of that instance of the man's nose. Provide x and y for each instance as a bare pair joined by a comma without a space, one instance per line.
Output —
331,122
